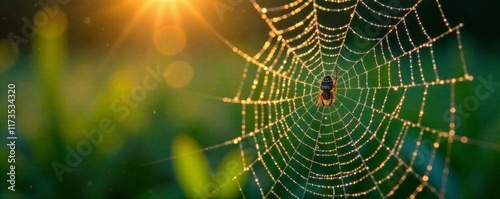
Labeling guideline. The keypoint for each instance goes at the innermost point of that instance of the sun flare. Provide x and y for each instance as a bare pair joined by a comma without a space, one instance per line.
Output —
150,13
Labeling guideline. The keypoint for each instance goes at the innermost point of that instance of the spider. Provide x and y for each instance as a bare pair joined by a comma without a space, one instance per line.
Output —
327,86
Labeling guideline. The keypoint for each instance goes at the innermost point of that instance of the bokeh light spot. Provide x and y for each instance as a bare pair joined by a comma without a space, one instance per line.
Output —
87,20
7,55
170,40
51,26
178,74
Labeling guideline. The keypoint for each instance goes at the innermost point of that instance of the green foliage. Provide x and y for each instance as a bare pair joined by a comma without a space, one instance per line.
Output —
68,82
231,166
195,176
191,166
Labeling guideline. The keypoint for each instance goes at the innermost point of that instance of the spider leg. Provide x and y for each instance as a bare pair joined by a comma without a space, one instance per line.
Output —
318,98
334,89
322,101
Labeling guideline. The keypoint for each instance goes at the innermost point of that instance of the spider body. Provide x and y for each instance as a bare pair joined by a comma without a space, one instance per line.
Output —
327,86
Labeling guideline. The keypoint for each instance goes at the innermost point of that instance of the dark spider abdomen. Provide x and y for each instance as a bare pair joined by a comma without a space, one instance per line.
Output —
327,85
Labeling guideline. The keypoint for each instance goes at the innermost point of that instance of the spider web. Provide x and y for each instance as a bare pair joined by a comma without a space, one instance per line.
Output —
380,137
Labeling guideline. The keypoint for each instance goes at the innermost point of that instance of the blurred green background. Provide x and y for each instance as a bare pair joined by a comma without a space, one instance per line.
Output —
99,65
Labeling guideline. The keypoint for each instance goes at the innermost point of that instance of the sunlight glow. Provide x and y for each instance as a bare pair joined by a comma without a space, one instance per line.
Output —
145,14
178,74
170,40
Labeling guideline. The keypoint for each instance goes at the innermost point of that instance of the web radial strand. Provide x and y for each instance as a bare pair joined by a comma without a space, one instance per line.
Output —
378,136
